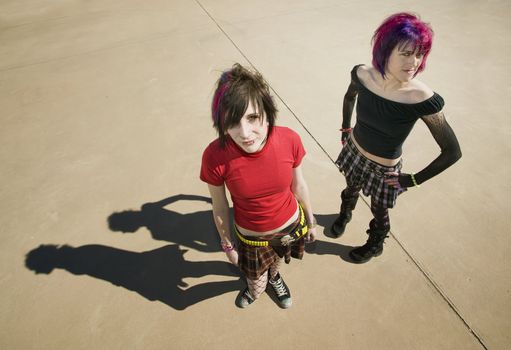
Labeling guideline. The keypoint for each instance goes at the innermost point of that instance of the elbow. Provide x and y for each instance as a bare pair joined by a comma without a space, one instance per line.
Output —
349,99
453,155
456,154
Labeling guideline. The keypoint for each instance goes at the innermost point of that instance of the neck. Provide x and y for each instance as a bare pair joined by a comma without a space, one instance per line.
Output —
390,83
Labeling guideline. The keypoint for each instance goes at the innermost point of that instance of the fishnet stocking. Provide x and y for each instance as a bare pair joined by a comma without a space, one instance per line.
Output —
274,268
258,286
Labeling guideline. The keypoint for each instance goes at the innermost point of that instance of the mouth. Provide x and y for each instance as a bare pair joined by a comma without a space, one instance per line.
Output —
248,143
409,71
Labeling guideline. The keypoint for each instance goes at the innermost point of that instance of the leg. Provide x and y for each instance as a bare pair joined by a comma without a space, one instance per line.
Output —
274,268
257,287
379,227
253,291
349,198
279,286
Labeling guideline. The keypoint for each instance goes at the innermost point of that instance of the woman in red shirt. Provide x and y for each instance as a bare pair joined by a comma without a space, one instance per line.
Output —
260,165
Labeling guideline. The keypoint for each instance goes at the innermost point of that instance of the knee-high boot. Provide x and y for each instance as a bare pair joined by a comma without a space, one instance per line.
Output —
373,246
348,203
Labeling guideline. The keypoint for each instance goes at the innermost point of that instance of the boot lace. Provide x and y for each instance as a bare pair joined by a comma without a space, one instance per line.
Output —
279,288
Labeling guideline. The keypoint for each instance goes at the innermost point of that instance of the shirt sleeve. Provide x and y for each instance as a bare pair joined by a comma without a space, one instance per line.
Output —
211,170
431,106
298,150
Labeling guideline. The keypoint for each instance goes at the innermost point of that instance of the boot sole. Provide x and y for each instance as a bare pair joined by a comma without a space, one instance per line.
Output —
362,261
337,233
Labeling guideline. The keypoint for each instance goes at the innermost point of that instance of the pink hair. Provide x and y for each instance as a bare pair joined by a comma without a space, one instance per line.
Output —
401,29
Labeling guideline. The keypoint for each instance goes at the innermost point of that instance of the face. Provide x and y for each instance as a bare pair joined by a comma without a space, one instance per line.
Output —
403,63
251,132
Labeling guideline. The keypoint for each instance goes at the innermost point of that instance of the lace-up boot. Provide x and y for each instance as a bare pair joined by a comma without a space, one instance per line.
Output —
244,299
373,246
282,291
348,203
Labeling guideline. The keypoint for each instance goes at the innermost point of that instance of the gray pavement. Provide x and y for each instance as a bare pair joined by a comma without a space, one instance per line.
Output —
107,238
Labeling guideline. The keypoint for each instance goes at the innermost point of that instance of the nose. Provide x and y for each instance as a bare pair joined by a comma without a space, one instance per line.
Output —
245,129
415,60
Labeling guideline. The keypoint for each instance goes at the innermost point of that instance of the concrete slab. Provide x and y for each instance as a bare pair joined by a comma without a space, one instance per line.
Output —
105,115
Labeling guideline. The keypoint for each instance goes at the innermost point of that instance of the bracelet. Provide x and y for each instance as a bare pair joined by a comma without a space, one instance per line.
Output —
312,224
345,129
227,246
414,181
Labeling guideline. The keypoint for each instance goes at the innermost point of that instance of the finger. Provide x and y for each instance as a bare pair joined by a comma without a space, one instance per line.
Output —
391,173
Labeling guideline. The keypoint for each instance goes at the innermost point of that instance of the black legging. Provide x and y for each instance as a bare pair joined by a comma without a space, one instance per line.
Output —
380,214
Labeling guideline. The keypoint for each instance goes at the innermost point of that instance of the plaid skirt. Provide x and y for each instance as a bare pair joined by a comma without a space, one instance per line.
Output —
361,172
255,261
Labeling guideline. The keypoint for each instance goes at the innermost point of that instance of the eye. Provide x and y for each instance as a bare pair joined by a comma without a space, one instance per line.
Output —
253,117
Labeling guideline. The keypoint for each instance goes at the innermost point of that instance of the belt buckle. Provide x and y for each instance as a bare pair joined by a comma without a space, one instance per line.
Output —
287,240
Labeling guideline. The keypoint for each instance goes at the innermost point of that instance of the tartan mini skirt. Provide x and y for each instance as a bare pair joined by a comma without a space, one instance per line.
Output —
361,172
254,261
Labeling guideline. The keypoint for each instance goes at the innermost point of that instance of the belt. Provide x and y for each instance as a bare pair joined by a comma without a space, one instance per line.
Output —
284,240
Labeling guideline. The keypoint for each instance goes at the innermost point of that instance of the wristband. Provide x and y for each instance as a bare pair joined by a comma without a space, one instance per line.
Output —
312,224
345,129
227,246
414,181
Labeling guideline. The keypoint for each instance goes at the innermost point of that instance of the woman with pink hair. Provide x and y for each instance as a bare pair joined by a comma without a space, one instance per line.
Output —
389,100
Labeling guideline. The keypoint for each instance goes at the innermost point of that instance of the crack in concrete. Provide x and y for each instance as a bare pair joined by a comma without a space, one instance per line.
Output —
430,279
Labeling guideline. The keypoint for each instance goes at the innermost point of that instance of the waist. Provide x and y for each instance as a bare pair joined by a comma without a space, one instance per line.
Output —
380,160
290,234
283,229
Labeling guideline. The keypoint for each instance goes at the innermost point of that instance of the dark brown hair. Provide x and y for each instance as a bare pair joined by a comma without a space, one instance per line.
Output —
235,88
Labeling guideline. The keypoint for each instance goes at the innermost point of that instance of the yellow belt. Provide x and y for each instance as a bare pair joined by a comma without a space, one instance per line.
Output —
295,235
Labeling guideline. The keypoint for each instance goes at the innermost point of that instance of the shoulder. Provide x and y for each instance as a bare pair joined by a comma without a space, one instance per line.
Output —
368,76
286,133
359,72
420,92
425,100
214,146
212,151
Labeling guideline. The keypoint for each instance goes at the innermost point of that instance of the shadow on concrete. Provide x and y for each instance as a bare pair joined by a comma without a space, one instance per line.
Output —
156,275
195,230
328,248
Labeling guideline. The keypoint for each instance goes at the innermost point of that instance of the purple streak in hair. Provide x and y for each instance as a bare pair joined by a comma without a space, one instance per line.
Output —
219,94
398,29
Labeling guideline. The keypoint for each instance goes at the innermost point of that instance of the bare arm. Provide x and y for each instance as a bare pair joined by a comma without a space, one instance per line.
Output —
301,191
221,218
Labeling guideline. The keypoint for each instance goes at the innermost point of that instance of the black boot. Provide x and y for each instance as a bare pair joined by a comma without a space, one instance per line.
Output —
373,246
347,206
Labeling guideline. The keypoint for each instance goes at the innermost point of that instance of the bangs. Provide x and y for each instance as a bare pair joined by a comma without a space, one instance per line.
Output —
416,45
238,107
400,30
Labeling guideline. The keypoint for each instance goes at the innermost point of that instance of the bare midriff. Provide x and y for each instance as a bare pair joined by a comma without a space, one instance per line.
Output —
374,158
246,232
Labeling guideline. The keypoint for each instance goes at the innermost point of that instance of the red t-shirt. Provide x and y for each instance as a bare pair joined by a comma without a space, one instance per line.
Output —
260,182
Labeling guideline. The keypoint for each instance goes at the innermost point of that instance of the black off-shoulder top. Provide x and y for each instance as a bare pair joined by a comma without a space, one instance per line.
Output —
383,125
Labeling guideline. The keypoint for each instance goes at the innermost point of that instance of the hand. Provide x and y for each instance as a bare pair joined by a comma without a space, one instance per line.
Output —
311,235
232,256
344,137
398,180
392,179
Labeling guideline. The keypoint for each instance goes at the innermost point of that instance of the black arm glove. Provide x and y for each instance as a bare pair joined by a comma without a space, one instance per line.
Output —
449,146
347,110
